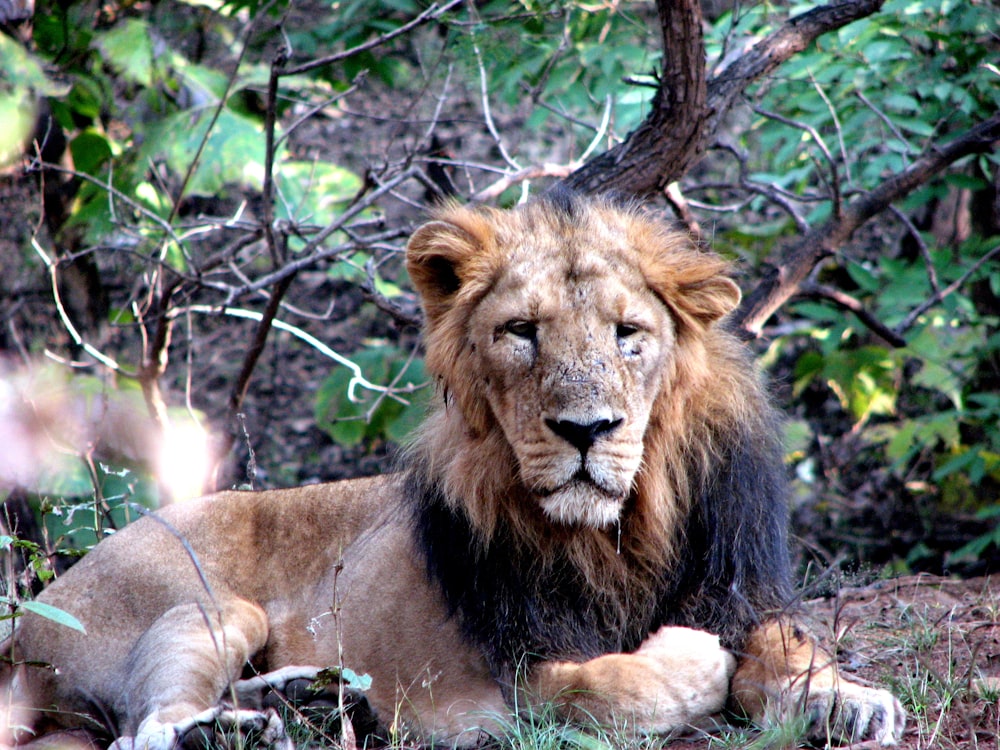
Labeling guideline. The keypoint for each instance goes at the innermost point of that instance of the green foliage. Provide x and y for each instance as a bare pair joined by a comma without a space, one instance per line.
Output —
22,82
923,402
33,554
77,516
351,415
875,92
37,562
559,54
76,510
857,106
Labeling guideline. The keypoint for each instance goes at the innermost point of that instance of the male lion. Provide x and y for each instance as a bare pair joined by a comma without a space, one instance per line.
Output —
593,517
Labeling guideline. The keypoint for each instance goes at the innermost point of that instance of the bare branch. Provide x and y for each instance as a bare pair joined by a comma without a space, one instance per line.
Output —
52,266
682,209
940,294
688,112
671,138
925,252
789,39
432,13
785,278
518,176
820,143
847,302
239,390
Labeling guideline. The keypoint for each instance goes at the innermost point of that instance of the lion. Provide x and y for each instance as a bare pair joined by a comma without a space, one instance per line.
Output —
592,517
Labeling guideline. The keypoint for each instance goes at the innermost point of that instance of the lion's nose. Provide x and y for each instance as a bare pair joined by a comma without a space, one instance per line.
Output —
582,435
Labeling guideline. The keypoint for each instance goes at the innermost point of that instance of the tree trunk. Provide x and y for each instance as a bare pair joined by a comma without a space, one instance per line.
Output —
670,140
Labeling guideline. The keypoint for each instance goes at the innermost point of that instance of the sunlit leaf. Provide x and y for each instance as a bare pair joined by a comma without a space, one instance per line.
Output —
127,47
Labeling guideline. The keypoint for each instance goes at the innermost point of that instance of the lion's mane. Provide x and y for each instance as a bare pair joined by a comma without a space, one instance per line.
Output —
701,541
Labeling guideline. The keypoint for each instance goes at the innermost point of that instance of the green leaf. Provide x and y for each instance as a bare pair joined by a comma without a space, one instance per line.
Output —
863,277
372,415
902,102
20,71
17,114
22,81
128,49
939,378
53,613
233,155
314,192
353,679
90,150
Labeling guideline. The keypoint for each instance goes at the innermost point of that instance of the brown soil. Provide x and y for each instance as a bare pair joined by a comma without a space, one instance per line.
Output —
934,642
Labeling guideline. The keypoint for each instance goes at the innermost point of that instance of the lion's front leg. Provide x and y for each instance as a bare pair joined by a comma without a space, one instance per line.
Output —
784,674
675,679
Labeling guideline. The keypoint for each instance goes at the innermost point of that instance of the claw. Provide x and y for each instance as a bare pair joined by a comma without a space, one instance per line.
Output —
855,714
195,730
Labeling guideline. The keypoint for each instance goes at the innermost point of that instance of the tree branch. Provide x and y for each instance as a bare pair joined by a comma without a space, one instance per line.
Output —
784,279
431,13
687,112
791,38
847,302
670,140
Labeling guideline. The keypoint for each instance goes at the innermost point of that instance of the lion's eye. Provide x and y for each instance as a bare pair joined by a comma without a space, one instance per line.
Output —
523,329
624,330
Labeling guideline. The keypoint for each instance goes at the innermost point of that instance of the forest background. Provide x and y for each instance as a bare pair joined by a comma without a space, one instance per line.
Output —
205,203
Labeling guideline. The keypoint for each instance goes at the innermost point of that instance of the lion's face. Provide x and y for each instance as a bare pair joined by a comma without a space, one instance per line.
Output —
571,347
560,331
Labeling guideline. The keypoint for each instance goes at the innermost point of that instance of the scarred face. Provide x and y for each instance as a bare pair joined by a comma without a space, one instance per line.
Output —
560,329
575,348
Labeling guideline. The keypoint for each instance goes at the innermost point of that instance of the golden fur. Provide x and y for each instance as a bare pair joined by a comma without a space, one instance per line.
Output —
466,448
599,486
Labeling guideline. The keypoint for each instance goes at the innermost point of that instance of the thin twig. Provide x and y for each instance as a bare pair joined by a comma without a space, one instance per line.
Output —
888,123
519,176
309,255
935,298
432,13
818,140
837,128
925,252
270,123
52,267
239,390
846,301
485,99
358,380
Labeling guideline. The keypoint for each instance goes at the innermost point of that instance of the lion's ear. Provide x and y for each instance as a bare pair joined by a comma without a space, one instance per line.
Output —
711,299
693,283
445,255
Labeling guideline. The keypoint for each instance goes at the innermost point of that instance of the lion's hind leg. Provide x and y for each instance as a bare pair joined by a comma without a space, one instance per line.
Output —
177,677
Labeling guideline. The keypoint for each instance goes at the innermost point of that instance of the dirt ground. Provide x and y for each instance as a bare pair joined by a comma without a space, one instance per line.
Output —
935,642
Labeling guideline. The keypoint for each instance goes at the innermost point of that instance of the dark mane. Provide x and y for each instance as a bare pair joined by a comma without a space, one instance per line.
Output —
701,538
517,608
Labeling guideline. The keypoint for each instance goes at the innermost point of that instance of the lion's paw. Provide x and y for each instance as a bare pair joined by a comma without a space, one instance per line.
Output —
693,668
293,682
854,713
265,726
691,650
